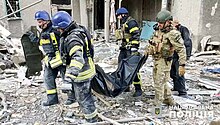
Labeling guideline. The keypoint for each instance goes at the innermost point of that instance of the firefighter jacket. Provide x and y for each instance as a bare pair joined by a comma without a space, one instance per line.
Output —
49,40
163,45
76,50
129,33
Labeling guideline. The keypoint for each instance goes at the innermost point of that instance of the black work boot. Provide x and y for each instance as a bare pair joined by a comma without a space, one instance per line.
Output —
138,90
71,98
52,99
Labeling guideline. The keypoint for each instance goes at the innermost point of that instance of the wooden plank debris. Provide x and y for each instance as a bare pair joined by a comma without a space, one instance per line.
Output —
190,92
213,52
198,92
101,98
125,120
184,102
209,84
3,103
212,77
108,119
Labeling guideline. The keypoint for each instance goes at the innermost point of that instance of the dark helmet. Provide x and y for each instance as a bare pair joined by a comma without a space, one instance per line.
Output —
163,16
121,10
61,20
42,15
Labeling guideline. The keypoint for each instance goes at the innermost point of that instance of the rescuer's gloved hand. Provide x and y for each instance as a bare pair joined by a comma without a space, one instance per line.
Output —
181,70
134,51
118,34
67,85
149,50
32,36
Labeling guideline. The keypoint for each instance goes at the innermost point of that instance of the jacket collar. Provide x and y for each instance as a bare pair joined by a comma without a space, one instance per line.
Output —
68,30
48,28
124,19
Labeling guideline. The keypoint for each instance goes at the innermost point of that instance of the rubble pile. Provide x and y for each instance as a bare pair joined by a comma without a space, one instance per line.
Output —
5,56
21,97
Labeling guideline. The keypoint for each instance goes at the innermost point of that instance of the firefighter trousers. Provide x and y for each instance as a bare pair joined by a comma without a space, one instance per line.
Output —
84,98
50,76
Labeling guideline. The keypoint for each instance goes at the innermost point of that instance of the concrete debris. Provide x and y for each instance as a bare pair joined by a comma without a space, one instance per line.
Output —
11,53
208,45
26,95
2,65
213,52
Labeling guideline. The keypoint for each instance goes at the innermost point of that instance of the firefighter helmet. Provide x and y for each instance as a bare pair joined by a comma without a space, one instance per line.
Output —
61,20
42,15
121,10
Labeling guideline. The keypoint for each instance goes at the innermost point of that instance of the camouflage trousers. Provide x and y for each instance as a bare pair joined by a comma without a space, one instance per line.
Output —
161,75
84,98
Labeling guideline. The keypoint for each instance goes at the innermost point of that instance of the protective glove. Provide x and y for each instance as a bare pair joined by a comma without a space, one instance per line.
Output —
134,51
149,50
181,70
67,85
32,36
118,34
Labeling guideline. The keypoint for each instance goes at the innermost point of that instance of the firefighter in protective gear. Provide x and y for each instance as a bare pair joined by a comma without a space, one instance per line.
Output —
49,40
129,34
76,50
162,45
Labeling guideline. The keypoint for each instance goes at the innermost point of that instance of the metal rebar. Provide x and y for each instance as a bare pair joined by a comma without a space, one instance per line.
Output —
21,9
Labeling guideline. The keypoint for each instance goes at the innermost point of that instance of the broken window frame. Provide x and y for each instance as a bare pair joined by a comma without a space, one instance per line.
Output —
12,6
58,2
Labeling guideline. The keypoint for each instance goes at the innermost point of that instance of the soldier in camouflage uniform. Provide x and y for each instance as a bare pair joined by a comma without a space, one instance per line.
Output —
161,46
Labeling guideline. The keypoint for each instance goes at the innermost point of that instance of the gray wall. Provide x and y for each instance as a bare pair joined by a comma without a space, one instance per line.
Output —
28,14
188,12
3,22
142,9
17,26
210,20
150,9
200,16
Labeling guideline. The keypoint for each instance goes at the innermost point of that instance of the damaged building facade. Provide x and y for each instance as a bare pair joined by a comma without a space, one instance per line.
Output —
201,17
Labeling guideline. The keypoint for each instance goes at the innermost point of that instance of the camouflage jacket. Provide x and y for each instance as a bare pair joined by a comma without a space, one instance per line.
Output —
163,45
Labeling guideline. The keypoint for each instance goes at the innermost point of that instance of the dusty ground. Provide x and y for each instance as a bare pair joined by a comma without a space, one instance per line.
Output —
24,97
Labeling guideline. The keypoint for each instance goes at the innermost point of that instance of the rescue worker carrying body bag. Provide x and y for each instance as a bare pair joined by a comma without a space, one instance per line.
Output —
49,40
129,34
76,51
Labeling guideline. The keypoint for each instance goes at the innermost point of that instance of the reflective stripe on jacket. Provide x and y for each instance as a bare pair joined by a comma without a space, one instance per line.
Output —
80,65
131,32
